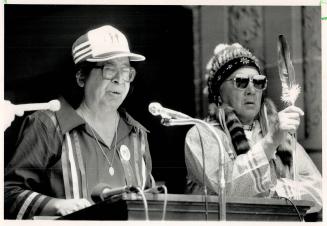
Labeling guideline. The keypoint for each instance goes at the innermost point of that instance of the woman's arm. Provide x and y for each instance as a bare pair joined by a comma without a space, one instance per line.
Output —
25,174
308,184
246,175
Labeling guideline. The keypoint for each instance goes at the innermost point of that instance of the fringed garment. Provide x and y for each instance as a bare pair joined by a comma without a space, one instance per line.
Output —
248,171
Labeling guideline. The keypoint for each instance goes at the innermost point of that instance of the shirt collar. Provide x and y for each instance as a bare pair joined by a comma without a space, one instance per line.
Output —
130,121
68,118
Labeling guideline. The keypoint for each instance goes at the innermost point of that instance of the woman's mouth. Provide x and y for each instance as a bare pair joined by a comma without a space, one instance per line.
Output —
249,103
114,93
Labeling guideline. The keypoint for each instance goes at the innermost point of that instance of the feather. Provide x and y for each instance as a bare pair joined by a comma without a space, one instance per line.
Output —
290,89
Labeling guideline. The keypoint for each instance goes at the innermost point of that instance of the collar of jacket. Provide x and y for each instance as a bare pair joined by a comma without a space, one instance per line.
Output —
68,118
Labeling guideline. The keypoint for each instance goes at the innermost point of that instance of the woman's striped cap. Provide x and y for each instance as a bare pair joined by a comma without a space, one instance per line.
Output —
102,44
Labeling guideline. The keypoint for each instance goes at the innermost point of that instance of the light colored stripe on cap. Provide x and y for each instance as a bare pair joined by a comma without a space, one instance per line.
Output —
82,57
80,46
82,51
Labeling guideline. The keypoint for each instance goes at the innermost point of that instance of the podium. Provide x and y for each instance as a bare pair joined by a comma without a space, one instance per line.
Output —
191,207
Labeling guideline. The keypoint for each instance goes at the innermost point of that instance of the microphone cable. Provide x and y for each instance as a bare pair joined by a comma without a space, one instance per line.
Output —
165,191
145,203
296,209
205,190
165,202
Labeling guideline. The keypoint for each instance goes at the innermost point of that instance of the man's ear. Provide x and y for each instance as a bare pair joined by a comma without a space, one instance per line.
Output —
80,79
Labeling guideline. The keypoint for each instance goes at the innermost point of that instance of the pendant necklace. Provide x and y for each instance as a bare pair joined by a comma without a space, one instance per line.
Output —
111,168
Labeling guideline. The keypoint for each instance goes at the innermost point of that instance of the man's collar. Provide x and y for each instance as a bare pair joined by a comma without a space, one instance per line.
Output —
67,117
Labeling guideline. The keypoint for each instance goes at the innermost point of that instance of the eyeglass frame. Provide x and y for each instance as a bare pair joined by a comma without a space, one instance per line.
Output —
250,80
132,70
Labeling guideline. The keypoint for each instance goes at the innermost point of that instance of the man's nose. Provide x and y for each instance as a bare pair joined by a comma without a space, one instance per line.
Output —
118,78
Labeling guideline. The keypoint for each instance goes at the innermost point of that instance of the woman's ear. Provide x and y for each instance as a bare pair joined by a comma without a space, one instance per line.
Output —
80,79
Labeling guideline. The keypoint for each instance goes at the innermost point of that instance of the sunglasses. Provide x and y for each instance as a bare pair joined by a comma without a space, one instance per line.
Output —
241,81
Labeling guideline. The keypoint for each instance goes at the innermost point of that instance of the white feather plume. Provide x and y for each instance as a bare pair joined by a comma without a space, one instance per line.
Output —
290,94
290,89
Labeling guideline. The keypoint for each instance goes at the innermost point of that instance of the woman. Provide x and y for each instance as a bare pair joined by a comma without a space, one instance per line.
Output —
256,139
61,157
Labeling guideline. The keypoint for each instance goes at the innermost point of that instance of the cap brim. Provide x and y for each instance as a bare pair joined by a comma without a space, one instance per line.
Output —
131,56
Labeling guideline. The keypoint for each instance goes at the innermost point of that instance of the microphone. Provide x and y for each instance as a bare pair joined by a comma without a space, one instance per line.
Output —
156,109
19,109
102,192
174,118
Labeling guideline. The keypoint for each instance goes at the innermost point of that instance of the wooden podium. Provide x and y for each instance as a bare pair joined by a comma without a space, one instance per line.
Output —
191,207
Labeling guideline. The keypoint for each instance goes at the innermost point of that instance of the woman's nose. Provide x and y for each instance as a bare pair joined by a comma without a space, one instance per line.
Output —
118,78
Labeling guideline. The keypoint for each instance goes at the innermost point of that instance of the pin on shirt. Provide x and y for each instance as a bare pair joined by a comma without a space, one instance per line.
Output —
125,153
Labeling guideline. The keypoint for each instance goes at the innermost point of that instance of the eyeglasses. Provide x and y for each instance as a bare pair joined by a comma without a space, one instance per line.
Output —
241,81
109,72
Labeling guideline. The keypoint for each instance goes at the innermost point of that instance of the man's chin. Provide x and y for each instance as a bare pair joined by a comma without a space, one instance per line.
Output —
248,115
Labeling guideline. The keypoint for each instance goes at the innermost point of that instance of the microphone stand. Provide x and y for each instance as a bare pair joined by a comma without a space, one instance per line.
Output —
221,173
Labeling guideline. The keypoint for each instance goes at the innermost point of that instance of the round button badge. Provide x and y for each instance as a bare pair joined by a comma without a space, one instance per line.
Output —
125,153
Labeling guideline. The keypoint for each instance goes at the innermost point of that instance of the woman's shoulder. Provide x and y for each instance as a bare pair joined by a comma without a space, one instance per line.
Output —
52,119
44,117
41,124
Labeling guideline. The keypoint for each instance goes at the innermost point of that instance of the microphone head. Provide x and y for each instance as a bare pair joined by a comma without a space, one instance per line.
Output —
54,105
155,108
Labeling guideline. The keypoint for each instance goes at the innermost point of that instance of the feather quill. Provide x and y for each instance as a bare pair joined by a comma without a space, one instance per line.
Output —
290,89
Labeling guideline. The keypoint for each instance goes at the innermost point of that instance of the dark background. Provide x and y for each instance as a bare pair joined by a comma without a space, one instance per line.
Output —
39,67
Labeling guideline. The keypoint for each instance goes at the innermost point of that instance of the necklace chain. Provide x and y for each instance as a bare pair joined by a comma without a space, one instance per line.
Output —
111,169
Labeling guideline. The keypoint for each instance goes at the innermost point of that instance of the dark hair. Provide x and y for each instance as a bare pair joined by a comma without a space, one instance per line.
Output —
75,94
85,68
